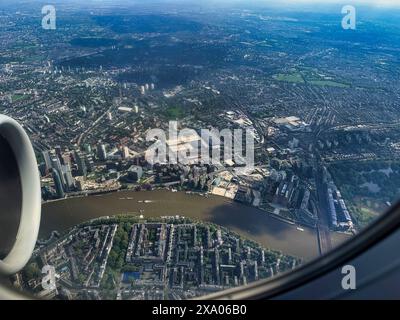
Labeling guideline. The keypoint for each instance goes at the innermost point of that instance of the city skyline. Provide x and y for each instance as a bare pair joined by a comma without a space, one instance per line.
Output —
276,123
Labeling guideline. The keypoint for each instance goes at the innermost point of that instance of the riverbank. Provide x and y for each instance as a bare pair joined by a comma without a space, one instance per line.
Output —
250,222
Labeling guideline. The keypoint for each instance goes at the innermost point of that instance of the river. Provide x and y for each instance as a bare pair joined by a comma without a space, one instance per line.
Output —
250,222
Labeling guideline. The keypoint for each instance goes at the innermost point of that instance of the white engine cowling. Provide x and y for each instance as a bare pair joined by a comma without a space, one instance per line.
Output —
29,208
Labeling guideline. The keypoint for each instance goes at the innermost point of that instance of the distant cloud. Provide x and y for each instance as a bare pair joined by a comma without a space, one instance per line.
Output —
378,3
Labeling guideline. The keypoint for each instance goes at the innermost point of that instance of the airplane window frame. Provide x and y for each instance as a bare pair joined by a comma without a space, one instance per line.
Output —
270,288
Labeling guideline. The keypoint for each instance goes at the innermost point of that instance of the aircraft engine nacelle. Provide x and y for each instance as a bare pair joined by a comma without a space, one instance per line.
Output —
20,197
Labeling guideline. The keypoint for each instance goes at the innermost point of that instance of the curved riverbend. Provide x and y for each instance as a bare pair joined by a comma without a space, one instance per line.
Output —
250,222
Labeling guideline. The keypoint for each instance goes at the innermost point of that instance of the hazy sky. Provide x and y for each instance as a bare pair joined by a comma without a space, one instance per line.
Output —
377,3
370,2
273,3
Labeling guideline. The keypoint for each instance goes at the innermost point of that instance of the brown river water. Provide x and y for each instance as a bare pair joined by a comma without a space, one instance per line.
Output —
249,222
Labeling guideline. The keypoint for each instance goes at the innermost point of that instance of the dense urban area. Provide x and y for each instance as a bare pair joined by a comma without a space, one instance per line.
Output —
128,258
321,103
